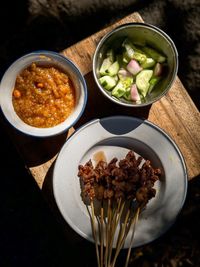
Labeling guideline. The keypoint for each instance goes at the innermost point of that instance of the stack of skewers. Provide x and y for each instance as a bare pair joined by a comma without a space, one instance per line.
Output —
123,189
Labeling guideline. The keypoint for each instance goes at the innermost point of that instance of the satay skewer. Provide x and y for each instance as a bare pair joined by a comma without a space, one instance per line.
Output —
133,223
93,224
121,237
107,231
108,181
102,233
115,221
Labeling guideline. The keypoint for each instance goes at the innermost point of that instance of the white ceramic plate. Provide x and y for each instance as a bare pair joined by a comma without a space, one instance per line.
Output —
116,136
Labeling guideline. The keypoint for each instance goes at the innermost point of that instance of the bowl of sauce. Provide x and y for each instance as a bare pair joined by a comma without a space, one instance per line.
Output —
43,94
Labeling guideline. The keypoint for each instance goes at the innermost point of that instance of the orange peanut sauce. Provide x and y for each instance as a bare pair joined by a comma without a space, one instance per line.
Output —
43,96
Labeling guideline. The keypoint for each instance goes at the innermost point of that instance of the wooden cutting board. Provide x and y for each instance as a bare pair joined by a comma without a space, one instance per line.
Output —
175,113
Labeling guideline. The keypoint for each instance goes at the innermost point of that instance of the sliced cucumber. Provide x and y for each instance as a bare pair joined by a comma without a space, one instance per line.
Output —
119,90
132,52
105,65
127,82
141,58
116,78
125,77
110,55
138,49
128,48
108,82
127,94
142,81
153,81
125,58
154,54
113,69
149,63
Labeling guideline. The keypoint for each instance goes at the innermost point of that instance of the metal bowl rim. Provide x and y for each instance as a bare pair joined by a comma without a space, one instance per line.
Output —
142,25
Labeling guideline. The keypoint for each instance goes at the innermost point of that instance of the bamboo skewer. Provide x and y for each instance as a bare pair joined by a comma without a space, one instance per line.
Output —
98,218
111,224
128,226
99,227
134,222
115,221
94,232
107,231
102,233
121,238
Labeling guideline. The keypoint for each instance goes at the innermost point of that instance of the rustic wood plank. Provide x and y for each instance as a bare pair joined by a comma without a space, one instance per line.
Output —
39,172
179,117
175,113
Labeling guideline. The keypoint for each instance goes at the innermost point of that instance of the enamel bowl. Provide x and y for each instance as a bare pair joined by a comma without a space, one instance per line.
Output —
50,59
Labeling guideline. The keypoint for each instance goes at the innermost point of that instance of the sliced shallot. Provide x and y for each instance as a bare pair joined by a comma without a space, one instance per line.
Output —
133,67
134,93
158,69
123,74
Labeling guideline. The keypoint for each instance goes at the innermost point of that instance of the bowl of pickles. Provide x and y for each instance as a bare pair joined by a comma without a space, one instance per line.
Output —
135,64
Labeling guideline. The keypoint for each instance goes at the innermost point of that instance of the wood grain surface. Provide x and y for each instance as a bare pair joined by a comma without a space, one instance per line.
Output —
175,113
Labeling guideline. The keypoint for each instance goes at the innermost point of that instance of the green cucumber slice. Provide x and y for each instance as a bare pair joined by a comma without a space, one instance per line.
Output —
149,63
142,81
141,58
154,54
153,81
128,48
110,55
119,90
127,94
125,58
105,65
113,69
132,51
108,82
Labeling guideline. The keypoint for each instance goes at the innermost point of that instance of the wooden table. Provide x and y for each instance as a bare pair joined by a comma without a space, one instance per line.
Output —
175,113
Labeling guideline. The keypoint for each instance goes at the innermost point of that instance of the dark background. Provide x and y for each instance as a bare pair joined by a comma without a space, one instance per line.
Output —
30,234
